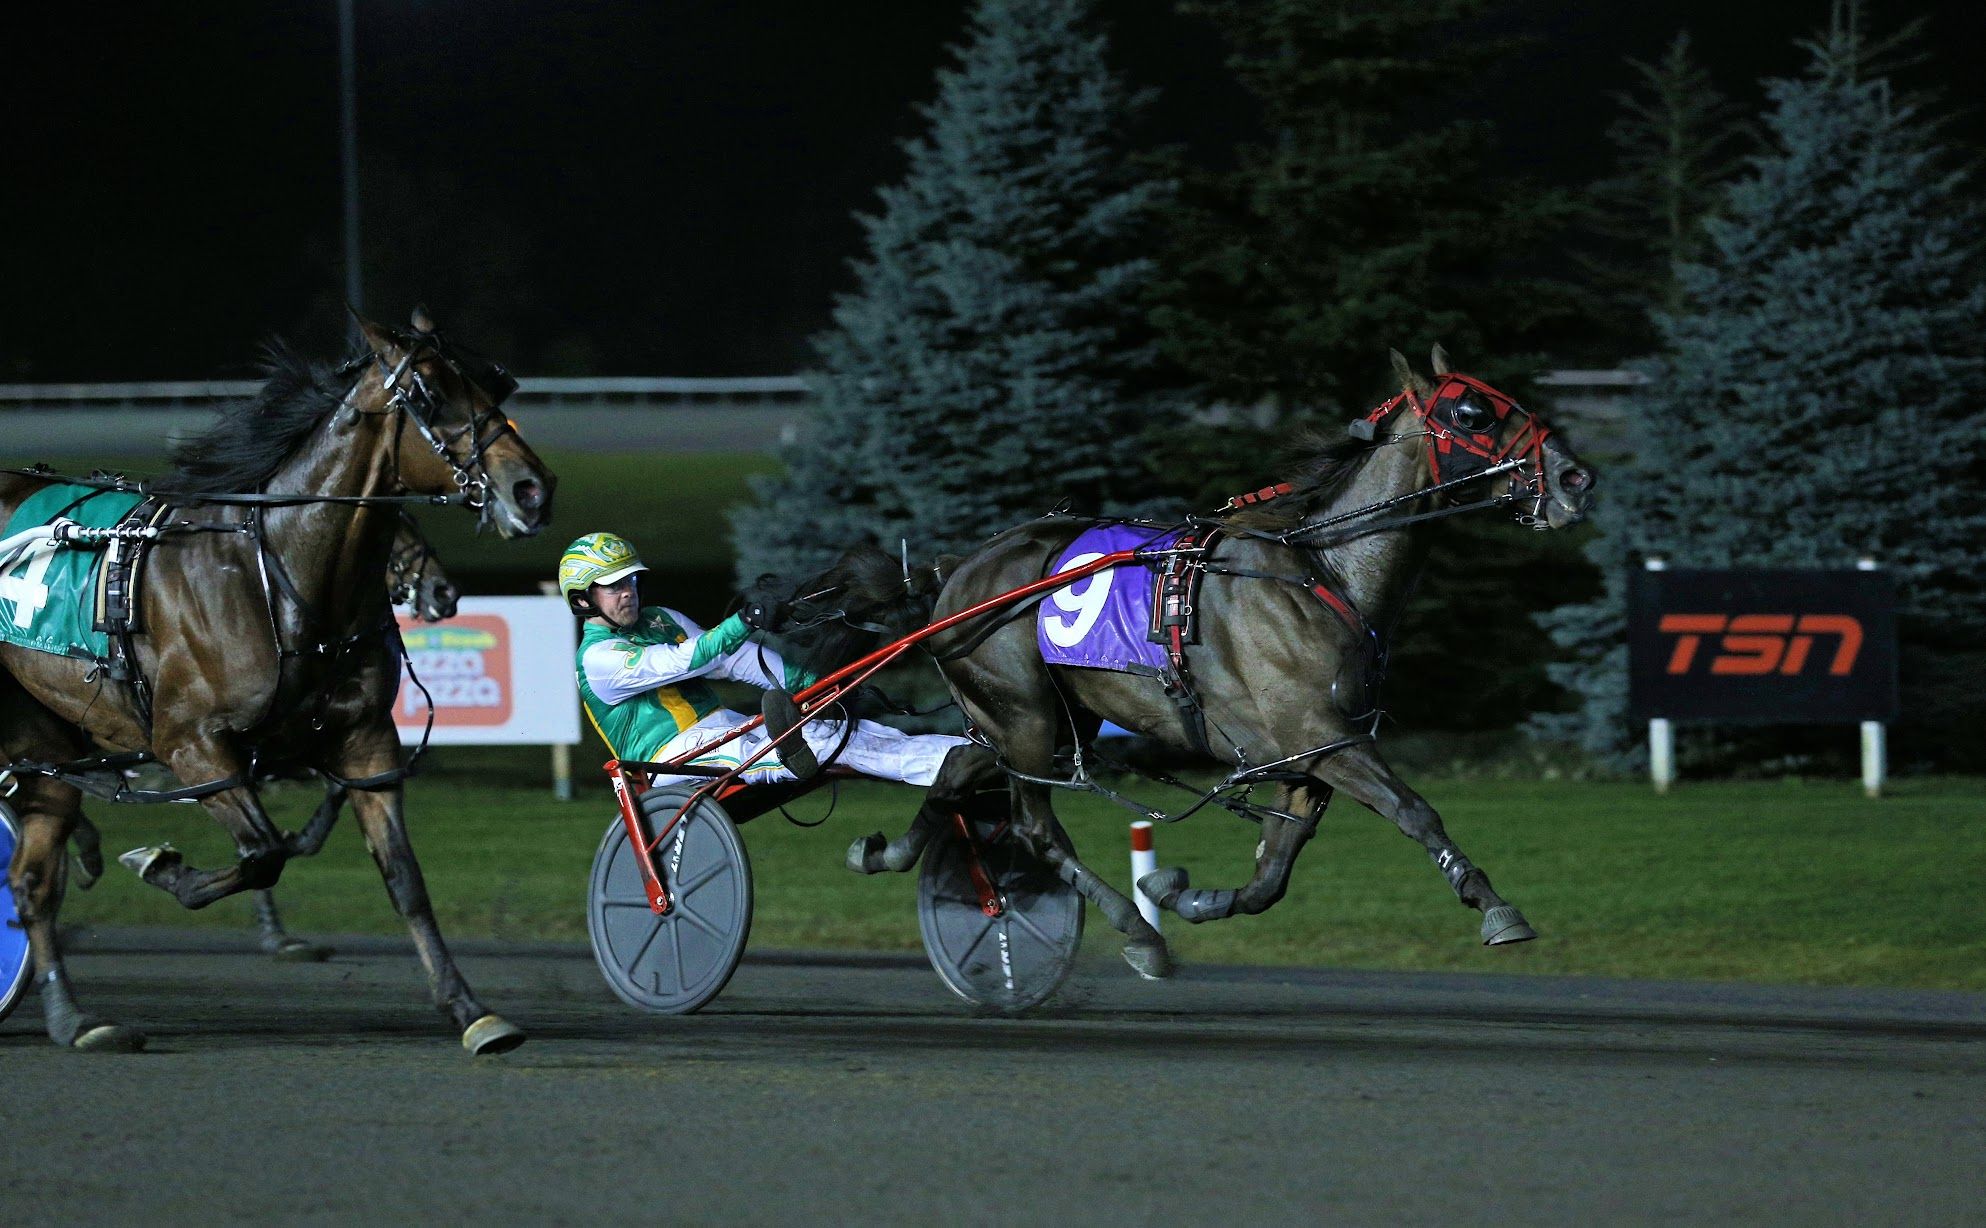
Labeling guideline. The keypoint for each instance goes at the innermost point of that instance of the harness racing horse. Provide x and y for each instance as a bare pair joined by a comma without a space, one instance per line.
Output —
266,643
414,579
1296,595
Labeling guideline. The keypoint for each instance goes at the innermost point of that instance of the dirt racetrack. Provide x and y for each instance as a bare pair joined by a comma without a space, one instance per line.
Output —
855,1089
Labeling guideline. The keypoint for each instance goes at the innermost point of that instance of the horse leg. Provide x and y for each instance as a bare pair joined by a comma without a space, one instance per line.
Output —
1034,821
1027,740
966,770
88,845
1361,773
382,820
278,942
47,810
259,846
1275,858
307,842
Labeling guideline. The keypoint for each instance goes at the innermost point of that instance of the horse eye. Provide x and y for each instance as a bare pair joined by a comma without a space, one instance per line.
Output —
1472,416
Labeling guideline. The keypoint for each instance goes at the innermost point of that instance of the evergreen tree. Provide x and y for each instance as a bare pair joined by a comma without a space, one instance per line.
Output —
992,359
1356,224
1678,143
1823,395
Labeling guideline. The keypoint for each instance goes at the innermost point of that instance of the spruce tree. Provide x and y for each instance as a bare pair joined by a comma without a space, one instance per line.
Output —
992,359
1823,394
1678,143
1355,223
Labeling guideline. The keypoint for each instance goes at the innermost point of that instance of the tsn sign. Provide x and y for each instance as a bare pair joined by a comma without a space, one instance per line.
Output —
1762,646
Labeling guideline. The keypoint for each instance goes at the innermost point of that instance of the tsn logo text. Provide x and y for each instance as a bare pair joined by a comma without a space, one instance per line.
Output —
1755,644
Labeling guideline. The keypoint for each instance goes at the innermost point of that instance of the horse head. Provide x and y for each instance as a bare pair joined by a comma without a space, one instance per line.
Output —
415,578
452,436
1471,430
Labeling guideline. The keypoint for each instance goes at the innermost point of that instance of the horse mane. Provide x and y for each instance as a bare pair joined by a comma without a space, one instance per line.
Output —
1326,466
249,440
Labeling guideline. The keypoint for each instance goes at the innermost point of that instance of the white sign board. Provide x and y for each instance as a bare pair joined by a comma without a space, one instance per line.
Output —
500,671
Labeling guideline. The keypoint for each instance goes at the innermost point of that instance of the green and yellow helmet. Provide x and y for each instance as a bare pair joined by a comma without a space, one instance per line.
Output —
597,558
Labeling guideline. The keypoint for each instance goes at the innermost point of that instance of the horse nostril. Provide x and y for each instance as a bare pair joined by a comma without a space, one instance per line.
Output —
1575,480
529,495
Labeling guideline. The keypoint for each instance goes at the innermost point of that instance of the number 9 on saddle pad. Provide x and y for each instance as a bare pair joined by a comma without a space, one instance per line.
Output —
15,962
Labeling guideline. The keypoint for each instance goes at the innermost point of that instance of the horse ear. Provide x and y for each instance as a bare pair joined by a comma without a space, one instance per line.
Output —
1439,359
423,322
378,337
1408,380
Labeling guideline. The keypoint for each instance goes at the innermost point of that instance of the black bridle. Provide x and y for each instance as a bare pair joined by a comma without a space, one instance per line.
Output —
407,567
409,393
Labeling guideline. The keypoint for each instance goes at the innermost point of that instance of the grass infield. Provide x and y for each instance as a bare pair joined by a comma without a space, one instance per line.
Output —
1796,881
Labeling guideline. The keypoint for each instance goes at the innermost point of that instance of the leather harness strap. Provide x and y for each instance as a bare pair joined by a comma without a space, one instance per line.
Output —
1176,615
118,613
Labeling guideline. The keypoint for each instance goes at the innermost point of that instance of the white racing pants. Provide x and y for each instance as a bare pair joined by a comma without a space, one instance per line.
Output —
873,749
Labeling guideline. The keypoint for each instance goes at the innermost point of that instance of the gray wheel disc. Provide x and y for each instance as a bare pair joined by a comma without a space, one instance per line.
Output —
1010,963
675,963
16,963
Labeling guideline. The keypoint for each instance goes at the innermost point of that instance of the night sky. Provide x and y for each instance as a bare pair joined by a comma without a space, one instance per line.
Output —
657,188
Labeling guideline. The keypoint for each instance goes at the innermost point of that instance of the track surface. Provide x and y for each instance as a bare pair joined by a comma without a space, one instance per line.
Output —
851,1088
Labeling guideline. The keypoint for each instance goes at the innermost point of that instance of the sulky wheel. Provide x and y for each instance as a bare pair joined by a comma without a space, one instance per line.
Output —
15,962
1012,962
677,962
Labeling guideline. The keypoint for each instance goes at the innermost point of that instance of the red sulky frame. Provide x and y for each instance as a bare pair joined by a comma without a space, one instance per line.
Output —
632,779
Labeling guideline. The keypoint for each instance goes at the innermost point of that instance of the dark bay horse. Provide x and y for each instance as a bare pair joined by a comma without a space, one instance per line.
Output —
416,580
1294,607
266,642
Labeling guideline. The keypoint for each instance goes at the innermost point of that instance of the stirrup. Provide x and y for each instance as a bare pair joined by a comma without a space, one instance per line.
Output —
782,714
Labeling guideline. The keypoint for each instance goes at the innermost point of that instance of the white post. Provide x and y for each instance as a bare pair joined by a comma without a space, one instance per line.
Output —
1661,734
1662,753
1875,757
1875,736
562,771
1144,859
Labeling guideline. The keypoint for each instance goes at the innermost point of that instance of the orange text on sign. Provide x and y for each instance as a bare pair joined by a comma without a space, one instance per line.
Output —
1763,643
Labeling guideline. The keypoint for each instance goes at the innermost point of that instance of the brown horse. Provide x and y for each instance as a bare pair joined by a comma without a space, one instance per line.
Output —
1295,602
266,640
415,579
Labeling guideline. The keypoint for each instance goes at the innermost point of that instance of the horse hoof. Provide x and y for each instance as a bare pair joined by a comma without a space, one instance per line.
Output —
109,1038
491,1035
145,861
1149,958
865,854
297,951
1162,887
1504,925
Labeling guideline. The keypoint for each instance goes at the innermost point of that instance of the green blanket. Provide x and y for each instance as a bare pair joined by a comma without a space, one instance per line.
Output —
46,598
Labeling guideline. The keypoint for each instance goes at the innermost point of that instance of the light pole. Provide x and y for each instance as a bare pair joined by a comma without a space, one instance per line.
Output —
349,133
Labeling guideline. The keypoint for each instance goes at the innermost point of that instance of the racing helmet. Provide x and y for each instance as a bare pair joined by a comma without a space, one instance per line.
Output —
597,558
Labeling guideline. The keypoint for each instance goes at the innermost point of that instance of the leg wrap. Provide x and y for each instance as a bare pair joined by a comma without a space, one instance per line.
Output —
1453,866
1198,904
1122,914
65,1022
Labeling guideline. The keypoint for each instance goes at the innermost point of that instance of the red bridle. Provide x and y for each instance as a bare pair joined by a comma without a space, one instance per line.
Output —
1455,452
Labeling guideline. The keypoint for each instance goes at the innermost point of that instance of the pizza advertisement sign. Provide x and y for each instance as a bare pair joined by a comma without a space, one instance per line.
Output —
499,673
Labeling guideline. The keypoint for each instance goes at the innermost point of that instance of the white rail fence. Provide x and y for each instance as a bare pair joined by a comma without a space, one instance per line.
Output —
751,413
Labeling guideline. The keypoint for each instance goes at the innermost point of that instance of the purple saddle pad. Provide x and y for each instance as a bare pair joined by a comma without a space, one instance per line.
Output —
1104,620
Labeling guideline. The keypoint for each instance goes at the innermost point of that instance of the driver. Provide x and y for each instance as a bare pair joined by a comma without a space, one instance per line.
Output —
641,674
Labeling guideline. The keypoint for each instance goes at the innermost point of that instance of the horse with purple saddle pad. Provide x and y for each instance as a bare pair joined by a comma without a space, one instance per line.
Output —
1105,620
